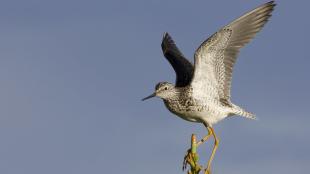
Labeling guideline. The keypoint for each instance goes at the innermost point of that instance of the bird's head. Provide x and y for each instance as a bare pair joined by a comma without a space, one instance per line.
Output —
163,90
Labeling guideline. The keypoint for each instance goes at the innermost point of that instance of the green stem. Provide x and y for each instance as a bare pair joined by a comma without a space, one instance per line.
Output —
193,144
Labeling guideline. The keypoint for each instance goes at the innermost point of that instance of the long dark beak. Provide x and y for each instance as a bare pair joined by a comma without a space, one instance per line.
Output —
150,96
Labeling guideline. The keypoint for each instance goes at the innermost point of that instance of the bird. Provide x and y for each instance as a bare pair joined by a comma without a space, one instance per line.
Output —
201,92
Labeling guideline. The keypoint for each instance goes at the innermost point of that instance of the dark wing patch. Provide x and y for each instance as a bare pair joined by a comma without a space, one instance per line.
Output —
182,67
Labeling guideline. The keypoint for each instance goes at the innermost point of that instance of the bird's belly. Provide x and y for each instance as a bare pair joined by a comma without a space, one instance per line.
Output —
191,116
204,113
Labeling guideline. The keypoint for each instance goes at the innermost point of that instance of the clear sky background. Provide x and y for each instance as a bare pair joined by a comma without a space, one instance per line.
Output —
73,73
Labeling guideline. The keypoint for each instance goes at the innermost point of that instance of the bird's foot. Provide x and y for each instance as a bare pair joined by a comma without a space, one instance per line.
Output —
187,159
191,159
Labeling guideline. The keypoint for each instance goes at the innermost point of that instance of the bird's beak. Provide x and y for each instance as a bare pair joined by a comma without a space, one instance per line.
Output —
150,96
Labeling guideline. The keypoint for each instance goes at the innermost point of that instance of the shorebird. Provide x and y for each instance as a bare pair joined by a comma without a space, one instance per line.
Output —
202,91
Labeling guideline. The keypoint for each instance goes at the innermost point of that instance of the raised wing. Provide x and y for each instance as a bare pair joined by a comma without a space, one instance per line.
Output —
183,68
215,58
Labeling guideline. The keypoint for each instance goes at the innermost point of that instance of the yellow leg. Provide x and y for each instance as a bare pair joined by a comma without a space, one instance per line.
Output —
216,143
204,139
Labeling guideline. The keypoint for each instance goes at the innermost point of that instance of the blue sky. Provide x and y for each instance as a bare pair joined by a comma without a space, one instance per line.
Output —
73,73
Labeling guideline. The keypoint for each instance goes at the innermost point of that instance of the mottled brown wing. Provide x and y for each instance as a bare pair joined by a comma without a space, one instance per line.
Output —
182,67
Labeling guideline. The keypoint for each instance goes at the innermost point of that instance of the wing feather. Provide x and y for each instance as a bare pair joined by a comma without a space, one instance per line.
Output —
215,58
183,68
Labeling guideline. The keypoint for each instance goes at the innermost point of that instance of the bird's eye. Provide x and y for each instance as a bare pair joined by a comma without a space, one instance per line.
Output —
166,88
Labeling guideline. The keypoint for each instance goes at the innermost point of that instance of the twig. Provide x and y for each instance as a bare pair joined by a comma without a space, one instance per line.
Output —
192,157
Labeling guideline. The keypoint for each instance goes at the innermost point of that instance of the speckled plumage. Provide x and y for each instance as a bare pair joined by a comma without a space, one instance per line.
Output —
191,109
202,90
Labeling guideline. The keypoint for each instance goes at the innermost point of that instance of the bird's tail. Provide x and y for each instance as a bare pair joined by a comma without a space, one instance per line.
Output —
239,111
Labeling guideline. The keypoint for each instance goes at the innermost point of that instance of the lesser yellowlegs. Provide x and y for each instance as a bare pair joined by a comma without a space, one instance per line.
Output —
202,91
